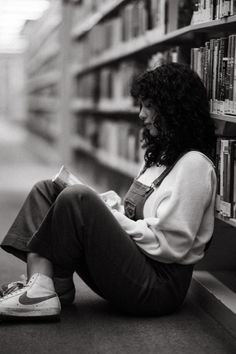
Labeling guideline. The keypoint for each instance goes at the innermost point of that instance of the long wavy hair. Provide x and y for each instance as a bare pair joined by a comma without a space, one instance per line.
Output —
184,122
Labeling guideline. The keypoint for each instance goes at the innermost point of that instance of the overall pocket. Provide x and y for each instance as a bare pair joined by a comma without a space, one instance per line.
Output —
130,209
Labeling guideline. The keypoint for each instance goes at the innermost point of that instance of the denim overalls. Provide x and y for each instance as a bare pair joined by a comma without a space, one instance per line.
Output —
174,276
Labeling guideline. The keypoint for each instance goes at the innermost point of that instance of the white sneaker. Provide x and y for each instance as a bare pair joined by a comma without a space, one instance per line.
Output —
35,299
64,287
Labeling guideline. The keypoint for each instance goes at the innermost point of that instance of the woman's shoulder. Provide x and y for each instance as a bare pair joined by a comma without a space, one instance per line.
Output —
196,159
195,170
195,165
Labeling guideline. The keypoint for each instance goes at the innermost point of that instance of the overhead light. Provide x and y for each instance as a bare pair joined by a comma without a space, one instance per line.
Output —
23,5
14,14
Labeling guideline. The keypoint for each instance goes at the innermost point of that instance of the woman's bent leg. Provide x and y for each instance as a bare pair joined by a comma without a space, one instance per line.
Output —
80,232
35,208
29,218
38,264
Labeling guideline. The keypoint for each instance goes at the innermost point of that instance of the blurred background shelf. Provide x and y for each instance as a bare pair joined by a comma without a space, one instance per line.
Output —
152,41
117,163
43,80
48,104
52,51
92,20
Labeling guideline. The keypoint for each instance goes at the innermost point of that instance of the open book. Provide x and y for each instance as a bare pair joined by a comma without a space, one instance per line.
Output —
65,178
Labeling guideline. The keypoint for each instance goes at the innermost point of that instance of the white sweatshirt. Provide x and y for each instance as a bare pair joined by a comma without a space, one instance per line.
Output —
179,214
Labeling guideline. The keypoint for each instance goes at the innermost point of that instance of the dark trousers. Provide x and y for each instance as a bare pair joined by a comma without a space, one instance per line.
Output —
76,231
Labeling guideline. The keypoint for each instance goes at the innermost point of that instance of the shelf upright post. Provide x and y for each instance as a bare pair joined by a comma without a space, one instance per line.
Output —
65,89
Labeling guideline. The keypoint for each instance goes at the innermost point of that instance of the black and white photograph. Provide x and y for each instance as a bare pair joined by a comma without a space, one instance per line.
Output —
118,176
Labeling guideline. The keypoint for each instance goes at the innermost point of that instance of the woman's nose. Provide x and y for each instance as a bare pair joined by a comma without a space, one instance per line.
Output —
142,114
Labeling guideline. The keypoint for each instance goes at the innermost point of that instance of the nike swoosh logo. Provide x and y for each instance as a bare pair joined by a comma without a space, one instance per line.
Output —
25,300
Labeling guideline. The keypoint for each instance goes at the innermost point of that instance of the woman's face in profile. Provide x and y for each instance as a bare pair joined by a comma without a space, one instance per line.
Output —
148,114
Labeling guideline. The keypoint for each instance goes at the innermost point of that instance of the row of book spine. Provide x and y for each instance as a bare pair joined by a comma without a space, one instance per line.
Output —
132,21
208,10
142,15
117,138
120,28
110,82
120,139
215,62
216,65
226,175
85,8
113,82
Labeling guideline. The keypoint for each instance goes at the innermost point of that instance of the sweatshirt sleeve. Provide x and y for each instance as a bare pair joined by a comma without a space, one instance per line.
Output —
169,234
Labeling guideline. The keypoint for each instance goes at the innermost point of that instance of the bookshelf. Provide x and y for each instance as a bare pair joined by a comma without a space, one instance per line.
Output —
92,20
106,50
42,62
224,117
118,163
152,41
229,221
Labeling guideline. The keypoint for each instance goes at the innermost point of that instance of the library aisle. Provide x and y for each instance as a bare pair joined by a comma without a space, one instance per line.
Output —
90,325
20,168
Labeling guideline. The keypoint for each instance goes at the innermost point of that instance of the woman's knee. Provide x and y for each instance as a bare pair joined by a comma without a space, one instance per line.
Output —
42,184
75,194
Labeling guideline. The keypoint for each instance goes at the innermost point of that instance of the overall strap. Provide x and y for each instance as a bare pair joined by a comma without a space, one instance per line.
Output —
159,179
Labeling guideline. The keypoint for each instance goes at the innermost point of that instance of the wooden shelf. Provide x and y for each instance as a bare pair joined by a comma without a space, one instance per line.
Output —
117,163
44,80
229,221
128,168
44,33
94,19
123,106
104,106
152,39
116,106
82,104
224,117
47,104
81,143
47,54
215,24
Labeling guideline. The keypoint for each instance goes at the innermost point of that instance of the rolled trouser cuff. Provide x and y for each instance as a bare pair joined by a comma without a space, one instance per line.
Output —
16,245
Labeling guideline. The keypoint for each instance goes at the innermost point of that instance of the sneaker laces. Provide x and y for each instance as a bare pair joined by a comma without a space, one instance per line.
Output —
7,289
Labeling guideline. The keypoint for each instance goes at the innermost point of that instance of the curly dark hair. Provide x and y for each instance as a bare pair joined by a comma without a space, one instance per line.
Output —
181,101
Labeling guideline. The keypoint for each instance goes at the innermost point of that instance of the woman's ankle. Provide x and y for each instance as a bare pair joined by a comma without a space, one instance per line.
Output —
38,264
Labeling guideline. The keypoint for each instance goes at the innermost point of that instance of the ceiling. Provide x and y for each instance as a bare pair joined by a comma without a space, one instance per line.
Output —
13,15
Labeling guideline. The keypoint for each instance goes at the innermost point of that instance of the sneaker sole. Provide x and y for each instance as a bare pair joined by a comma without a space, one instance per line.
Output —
29,312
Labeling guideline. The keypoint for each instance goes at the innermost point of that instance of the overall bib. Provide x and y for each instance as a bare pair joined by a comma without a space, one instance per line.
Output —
138,193
177,277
